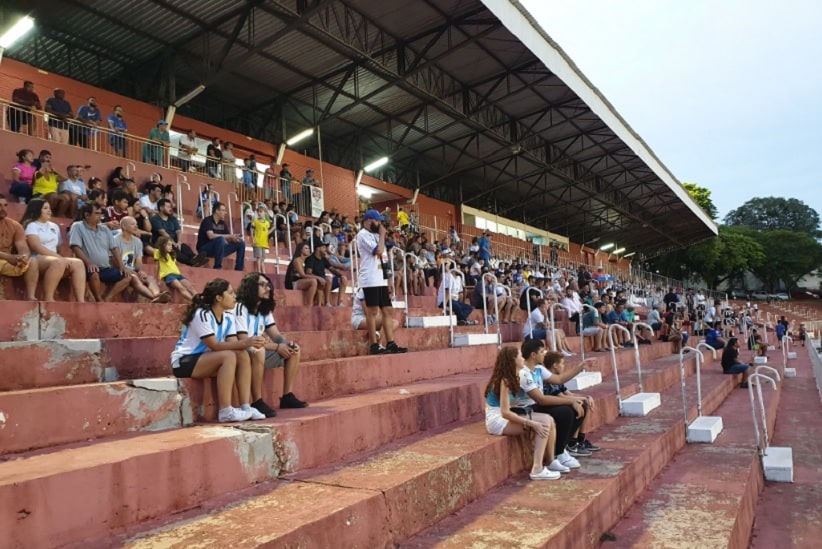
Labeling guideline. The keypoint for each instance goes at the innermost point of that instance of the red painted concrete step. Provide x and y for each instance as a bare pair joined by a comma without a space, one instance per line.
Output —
706,496
383,499
40,418
576,510
787,515
84,492
29,365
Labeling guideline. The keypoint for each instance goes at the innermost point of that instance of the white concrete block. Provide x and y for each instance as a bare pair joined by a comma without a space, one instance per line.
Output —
771,347
464,340
583,380
778,464
791,354
704,429
431,321
640,404
760,360
398,304
156,384
790,372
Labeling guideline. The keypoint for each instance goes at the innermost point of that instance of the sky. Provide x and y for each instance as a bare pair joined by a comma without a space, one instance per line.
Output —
727,93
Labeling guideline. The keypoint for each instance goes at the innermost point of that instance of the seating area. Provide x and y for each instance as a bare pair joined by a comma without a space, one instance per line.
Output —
101,446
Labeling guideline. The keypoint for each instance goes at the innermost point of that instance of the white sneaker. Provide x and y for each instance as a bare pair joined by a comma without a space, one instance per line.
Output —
567,353
230,414
558,467
568,460
545,474
255,413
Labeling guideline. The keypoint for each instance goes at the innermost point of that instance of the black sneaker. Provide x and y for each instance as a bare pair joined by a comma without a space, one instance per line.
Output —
264,408
290,401
199,260
576,451
376,349
588,445
394,349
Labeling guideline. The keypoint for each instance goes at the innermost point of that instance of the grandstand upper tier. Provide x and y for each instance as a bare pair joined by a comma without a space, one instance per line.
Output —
471,100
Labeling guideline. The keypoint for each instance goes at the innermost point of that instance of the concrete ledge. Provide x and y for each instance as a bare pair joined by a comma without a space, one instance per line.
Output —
40,418
27,365
431,321
777,463
584,380
704,429
640,404
85,492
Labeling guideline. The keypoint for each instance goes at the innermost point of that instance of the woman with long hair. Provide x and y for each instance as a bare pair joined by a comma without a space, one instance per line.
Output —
255,317
22,175
46,185
296,277
43,237
167,270
501,420
208,347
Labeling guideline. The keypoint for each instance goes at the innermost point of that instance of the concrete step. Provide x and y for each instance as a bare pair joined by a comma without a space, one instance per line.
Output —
33,321
707,494
381,500
51,363
86,491
41,418
576,510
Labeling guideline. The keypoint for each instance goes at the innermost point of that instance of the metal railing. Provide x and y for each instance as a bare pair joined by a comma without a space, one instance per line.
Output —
754,384
611,329
494,284
699,359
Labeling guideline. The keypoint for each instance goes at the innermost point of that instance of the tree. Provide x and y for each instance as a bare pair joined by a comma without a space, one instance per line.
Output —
771,214
790,256
702,197
726,256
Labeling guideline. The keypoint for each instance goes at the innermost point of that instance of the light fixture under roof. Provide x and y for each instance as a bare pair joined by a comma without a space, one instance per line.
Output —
376,164
618,251
300,136
23,25
606,247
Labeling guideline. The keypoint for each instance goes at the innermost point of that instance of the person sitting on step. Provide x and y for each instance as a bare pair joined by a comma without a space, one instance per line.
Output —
531,396
731,364
501,419
555,373
255,318
209,347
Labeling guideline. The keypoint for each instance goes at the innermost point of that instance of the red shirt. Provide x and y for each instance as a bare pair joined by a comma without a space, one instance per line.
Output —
22,96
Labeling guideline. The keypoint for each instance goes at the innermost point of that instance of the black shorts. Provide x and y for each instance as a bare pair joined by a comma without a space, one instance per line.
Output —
377,296
187,364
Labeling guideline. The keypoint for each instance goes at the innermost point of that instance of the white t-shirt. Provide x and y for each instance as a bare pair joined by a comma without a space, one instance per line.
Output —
370,272
74,187
201,326
534,319
528,381
253,325
185,141
454,283
356,308
146,202
48,232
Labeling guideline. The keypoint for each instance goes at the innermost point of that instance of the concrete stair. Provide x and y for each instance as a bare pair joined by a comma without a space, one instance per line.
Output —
384,498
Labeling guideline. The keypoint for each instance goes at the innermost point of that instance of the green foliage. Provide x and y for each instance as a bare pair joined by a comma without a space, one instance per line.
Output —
771,214
702,197
790,256
728,255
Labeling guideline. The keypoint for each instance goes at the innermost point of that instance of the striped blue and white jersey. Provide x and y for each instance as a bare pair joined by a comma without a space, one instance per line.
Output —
203,325
253,325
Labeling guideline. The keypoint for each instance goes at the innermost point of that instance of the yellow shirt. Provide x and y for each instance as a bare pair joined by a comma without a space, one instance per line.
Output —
402,218
44,184
168,266
260,232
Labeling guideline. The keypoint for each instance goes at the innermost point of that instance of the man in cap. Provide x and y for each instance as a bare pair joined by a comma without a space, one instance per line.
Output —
373,279
89,116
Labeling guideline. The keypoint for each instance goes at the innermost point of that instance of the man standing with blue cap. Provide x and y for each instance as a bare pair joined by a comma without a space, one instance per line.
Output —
373,279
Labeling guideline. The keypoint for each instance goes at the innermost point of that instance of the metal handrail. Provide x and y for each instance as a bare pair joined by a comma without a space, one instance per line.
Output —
354,252
230,217
447,298
276,241
396,250
611,329
553,326
582,337
636,349
786,342
774,371
753,379
133,167
699,359
495,283
180,183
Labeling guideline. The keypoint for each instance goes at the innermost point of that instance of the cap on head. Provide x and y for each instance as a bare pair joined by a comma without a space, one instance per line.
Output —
372,214
161,122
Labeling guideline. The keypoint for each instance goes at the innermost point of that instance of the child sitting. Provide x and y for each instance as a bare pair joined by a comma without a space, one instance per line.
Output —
168,271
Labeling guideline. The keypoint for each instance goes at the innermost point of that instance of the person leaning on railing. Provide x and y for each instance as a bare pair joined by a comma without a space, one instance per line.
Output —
23,101
158,140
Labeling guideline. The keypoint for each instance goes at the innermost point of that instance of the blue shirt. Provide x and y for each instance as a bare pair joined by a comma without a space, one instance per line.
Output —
711,337
117,123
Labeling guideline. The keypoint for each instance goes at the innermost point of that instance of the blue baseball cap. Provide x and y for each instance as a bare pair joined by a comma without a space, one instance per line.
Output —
372,214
